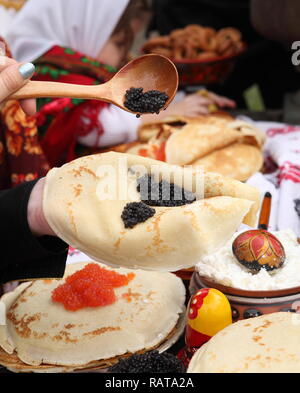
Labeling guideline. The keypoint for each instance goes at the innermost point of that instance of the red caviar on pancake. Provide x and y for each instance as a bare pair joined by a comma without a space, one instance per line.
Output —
92,286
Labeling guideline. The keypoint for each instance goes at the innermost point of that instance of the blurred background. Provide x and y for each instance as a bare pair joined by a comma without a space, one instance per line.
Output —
264,81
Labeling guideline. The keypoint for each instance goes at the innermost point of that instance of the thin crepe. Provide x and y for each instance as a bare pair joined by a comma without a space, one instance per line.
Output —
238,161
148,130
220,144
198,139
174,238
265,344
41,332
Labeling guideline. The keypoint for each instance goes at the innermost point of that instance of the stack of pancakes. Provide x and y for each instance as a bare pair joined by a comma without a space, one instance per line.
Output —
219,144
40,335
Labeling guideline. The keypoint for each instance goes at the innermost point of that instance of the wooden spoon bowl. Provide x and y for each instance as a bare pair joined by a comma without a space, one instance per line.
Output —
151,72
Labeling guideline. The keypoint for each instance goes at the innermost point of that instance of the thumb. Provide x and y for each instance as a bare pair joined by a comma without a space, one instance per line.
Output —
13,78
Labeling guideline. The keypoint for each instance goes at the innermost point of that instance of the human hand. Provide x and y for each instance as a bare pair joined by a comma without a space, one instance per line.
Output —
35,215
220,101
198,104
13,76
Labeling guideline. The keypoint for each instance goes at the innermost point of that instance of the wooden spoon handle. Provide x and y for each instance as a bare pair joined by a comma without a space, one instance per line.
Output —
264,217
34,89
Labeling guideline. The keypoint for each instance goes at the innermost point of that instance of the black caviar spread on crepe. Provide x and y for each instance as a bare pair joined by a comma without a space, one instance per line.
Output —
163,193
149,362
154,193
136,212
151,101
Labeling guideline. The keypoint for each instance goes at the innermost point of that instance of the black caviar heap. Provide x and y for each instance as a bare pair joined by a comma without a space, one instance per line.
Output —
163,193
149,362
154,193
151,101
136,212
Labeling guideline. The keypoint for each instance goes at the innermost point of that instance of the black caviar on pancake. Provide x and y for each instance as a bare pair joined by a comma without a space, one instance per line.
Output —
154,194
163,193
151,101
136,212
149,362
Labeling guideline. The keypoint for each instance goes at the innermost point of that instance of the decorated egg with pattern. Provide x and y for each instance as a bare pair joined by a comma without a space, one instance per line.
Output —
257,249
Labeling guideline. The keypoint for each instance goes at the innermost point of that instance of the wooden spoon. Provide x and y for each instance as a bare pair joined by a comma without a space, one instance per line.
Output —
263,221
151,72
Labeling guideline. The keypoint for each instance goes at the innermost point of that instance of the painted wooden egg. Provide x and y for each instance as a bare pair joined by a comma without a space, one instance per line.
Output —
257,249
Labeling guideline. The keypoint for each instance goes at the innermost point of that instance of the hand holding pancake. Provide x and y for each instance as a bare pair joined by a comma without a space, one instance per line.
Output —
85,205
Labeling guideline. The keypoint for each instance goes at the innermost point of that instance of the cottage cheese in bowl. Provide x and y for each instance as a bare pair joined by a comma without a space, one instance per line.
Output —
223,268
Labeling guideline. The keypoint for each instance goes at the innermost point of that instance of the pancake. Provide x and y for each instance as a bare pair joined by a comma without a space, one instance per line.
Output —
12,363
249,133
233,162
78,211
199,139
265,344
221,144
42,333
150,130
136,149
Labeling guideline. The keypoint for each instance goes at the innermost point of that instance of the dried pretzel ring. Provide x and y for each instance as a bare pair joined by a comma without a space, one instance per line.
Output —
196,42
161,41
225,38
230,33
175,34
206,55
207,39
161,50
178,39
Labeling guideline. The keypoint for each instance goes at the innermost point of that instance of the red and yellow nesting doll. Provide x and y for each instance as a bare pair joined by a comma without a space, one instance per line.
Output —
208,312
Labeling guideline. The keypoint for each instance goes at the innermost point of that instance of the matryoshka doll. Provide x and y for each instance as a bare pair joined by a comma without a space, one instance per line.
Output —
208,312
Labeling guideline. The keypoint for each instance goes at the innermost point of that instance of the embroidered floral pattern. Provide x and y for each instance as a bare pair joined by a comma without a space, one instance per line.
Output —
21,156
21,130
289,171
59,121
21,178
70,115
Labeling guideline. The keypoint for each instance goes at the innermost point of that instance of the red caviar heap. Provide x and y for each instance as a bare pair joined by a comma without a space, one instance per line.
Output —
92,286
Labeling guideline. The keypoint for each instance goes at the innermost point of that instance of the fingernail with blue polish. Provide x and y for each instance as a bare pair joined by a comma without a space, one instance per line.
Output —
27,70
